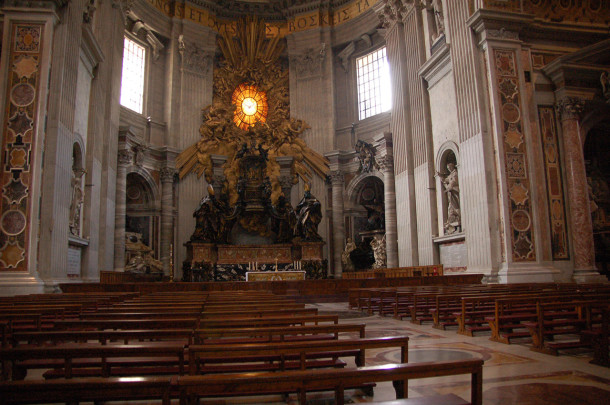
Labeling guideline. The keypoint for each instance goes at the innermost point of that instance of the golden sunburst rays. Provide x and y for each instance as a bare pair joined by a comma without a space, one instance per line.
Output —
251,101
251,45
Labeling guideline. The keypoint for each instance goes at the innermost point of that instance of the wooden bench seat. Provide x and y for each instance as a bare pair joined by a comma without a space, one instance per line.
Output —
86,390
102,336
337,380
599,337
201,355
268,321
69,358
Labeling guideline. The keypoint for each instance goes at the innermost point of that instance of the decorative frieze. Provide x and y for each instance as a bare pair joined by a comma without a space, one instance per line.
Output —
554,184
519,216
23,86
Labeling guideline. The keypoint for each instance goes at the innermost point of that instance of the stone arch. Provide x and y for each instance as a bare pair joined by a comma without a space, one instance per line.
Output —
142,220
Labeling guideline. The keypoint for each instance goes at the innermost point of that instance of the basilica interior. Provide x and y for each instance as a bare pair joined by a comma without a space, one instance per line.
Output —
202,143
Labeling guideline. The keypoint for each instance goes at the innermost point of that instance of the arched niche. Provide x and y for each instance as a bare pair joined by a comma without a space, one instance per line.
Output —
448,207
142,211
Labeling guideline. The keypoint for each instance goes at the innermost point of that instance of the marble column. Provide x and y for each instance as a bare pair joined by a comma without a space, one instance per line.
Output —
337,180
125,159
167,217
570,109
386,166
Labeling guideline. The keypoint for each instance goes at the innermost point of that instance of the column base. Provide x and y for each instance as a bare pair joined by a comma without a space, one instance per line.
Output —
528,273
13,283
588,276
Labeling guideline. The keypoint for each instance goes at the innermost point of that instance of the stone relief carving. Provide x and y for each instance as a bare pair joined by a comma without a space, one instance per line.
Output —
193,57
77,201
139,152
309,63
366,157
451,185
89,12
502,33
125,157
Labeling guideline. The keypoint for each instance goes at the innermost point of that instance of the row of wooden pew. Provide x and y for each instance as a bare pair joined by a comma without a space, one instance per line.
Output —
193,345
540,312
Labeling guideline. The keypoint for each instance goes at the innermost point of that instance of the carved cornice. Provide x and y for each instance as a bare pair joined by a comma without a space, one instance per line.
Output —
570,108
125,157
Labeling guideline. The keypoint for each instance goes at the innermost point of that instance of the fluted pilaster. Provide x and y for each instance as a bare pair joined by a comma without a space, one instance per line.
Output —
337,180
125,159
167,216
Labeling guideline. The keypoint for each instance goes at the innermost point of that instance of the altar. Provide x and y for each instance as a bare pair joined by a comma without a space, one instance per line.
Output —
275,275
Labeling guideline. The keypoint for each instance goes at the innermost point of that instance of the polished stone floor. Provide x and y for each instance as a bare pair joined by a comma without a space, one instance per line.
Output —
512,374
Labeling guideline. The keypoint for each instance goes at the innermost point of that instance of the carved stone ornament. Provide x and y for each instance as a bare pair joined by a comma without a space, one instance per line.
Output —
125,157
345,54
570,108
167,174
385,163
309,63
89,11
366,157
139,153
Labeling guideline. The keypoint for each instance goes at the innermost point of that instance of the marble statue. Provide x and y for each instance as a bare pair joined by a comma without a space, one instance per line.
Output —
379,251
452,189
208,219
350,246
309,215
76,202
366,157
144,262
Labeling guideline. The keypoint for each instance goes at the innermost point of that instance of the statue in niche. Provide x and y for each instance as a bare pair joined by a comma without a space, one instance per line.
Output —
379,251
452,190
76,202
144,263
435,7
309,215
366,157
346,260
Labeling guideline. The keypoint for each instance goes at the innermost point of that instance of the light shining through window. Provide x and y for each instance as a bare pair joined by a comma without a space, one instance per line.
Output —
374,90
132,82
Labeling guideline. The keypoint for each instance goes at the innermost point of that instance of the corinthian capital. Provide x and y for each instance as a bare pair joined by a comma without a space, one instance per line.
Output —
392,11
385,163
125,157
336,177
570,107
167,174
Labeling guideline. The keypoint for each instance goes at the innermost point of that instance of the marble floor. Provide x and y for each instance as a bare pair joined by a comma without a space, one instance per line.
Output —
512,374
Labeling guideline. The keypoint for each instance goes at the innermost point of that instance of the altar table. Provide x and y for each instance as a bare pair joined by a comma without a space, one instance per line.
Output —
275,275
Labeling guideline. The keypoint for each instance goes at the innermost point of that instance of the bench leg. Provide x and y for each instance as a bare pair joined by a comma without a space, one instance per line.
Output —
399,387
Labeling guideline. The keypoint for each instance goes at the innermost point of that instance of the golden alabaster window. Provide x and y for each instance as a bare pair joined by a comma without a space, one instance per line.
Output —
250,106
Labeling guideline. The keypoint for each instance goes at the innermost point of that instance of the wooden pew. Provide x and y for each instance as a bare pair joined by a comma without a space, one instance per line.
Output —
599,337
258,313
97,390
302,381
94,360
269,321
101,336
269,334
284,355
130,324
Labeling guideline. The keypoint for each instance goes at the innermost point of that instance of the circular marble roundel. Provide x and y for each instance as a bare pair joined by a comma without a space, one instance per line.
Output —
510,112
13,222
22,94
521,220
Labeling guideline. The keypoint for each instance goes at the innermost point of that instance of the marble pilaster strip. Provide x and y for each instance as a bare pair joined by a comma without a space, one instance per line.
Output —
337,179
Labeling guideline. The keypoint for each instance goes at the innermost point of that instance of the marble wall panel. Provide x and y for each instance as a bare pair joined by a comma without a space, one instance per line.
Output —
18,142
443,112
405,243
519,218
